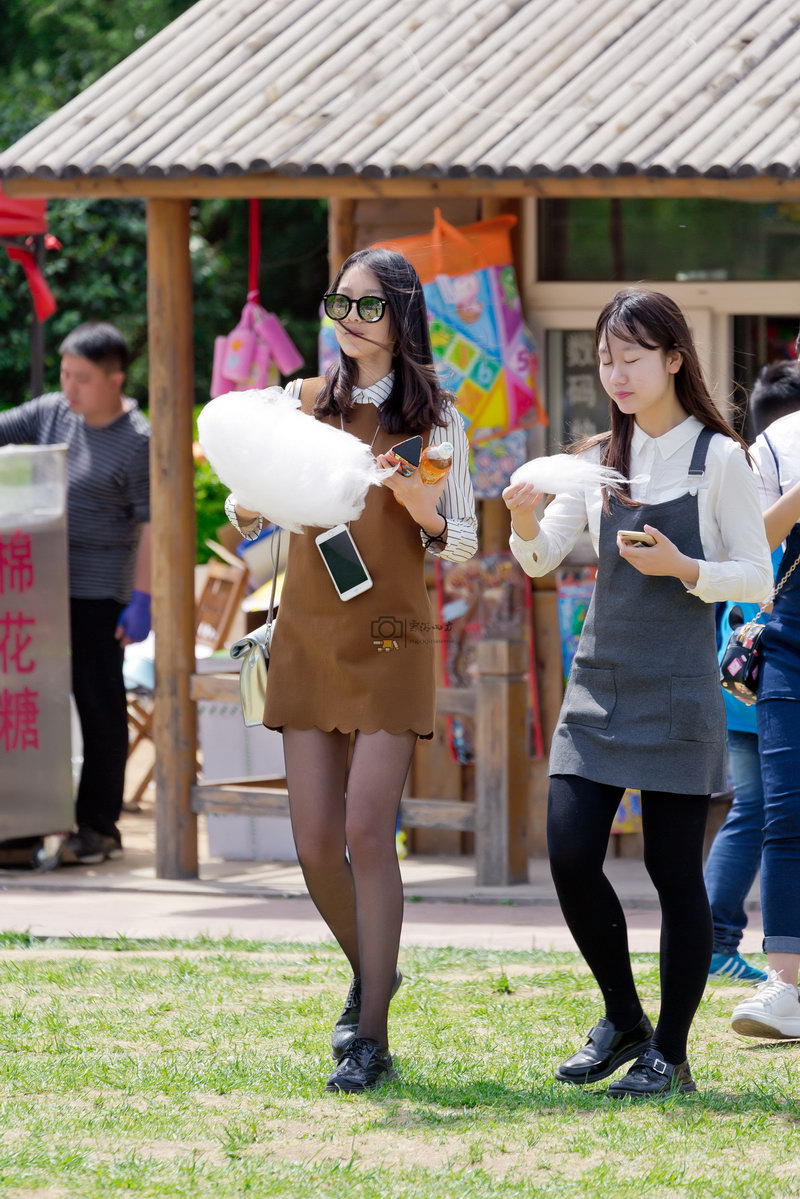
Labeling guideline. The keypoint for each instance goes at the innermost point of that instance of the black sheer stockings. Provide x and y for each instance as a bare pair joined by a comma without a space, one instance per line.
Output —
336,814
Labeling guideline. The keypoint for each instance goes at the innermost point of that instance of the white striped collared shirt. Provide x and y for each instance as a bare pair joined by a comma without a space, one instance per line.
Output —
457,502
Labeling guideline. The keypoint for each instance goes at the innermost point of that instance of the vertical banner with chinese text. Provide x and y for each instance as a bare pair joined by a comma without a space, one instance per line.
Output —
35,768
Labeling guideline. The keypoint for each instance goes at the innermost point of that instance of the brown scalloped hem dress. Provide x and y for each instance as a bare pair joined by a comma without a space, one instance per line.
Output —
367,663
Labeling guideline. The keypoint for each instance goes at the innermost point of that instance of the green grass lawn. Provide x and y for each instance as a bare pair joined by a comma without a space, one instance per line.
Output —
198,1068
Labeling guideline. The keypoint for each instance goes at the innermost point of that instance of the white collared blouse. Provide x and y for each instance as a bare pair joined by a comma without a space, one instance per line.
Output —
737,563
776,454
457,502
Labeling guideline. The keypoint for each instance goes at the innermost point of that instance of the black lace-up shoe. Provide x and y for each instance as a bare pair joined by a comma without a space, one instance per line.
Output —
605,1051
364,1066
651,1075
346,1027
87,847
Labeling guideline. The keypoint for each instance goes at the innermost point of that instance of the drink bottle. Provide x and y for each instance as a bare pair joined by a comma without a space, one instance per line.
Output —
435,462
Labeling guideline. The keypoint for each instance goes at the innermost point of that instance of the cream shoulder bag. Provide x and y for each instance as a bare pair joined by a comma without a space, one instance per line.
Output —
253,650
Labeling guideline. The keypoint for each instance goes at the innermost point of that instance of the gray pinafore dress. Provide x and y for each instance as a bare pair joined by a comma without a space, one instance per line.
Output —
643,706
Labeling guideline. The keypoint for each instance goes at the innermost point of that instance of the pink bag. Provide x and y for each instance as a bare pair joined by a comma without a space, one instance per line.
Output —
219,384
259,367
280,344
240,349
242,360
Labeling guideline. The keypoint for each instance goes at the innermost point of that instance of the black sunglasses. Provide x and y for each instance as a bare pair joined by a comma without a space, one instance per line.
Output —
369,308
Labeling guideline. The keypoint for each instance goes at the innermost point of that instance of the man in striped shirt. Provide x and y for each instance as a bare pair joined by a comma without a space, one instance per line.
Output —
108,512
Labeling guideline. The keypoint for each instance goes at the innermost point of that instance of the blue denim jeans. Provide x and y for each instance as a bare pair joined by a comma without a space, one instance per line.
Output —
779,745
735,855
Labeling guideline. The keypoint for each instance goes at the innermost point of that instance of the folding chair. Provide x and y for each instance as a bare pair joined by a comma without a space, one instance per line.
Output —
215,609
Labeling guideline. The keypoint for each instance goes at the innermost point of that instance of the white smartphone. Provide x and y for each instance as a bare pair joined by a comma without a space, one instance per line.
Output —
637,537
343,562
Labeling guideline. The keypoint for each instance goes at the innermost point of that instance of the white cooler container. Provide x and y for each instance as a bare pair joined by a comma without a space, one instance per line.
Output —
232,751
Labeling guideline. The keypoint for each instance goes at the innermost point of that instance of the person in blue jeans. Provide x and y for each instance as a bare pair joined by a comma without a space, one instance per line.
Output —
735,855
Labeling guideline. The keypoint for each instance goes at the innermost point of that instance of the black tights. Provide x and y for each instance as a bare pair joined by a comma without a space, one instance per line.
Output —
334,810
579,819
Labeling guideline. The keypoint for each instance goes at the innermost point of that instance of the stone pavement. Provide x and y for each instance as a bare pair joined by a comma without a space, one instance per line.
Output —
269,901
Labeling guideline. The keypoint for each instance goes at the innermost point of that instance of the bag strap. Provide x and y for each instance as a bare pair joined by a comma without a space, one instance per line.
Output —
773,595
789,572
771,449
762,608
275,549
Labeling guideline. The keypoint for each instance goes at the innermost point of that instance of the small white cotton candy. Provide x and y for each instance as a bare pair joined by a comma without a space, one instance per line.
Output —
566,472
281,462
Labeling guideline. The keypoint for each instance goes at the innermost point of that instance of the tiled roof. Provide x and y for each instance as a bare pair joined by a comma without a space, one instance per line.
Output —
437,88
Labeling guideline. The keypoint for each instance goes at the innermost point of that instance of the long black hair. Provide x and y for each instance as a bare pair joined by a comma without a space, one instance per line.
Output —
655,322
416,402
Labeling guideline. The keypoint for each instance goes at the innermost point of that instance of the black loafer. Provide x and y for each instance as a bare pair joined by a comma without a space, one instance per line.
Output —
346,1027
605,1051
651,1075
364,1066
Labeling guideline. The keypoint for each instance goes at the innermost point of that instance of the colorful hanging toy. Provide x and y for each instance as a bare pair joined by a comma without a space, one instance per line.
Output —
259,347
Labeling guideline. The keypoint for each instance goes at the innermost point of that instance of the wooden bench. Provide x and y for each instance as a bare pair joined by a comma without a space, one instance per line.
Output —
498,705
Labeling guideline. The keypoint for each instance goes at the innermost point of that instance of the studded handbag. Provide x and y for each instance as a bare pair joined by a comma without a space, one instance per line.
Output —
741,662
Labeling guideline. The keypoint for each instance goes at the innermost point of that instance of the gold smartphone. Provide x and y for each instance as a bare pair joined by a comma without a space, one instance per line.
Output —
636,537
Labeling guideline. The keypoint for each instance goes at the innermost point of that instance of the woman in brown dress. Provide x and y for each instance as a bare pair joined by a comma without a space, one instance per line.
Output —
364,669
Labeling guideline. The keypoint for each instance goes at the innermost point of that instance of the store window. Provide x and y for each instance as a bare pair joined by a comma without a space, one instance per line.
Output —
758,340
587,240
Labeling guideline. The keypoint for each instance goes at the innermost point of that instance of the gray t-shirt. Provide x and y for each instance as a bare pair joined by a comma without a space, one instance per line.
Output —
108,488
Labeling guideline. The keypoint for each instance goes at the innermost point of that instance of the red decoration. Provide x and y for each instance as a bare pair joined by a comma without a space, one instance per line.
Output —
25,218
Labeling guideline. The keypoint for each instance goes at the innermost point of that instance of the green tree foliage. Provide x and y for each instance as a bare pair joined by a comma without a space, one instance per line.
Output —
49,52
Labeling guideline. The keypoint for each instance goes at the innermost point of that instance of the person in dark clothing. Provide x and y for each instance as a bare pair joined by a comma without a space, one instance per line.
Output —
108,504
735,856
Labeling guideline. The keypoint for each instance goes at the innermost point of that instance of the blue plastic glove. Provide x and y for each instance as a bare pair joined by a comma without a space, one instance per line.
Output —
134,621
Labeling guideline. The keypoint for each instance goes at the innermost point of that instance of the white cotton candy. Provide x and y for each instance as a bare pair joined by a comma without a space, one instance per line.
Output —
279,461
566,472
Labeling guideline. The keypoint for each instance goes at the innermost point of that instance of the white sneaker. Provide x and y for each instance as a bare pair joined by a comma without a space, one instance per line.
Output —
774,1011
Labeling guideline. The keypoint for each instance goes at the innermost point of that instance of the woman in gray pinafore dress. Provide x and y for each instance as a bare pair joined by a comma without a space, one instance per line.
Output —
643,706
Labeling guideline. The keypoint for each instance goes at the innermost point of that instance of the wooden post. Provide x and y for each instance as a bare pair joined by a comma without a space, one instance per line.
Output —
169,313
341,231
501,765
495,526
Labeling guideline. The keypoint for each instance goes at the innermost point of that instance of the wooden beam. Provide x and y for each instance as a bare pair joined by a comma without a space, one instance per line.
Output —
494,526
239,801
224,688
341,232
501,765
455,701
169,314
759,189
216,688
272,801
438,813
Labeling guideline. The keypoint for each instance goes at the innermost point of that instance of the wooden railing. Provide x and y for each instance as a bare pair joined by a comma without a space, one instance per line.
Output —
498,706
